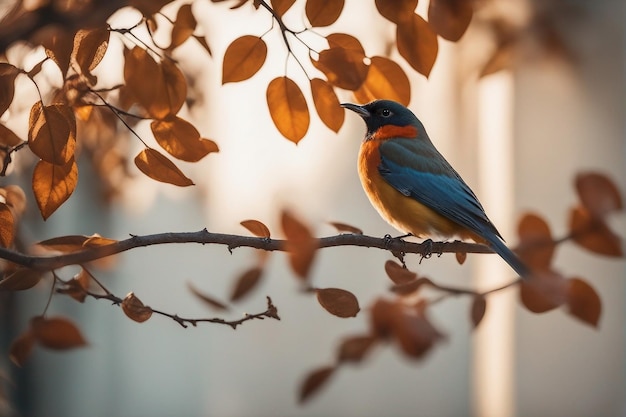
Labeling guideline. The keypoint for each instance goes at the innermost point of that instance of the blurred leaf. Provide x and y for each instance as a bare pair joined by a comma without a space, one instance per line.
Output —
536,247
7,137
96,240
382,315
543,291
410,287
8,73
281,6
135,309
212,302
501,58
21,348
181,139
396,10
346,228
414,332
288,108
338,302
583,301
58,43
593,234
257,228
202,41
417,43
21,279
52,133
246,283
15,198
90,46
184,26
450,18
479,307
7,227
343,61
314,381
148,7
323,12
36,69
300,244
354,349
385,80
159,168
461,257
598,194
399,274
53,185
76,287
243,58
57,333
327,104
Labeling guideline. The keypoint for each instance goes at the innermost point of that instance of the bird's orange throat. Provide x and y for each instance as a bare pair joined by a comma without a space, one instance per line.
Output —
391,131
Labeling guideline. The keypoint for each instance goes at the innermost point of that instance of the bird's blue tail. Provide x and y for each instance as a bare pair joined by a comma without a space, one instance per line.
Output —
510,257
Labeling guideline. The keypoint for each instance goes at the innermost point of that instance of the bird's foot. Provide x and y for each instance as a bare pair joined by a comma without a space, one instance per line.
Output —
427,249
396,253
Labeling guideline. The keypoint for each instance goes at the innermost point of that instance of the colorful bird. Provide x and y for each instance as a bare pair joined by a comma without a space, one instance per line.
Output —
413,187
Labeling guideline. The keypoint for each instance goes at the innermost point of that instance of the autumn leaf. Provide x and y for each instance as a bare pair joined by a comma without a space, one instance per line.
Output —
69,243
415,334
184,26
598,194
343,61
90,46
211,301
21,348
148,7
461,257
15,198
478,309
7,226
346,228
338,302
159,168
7,137
583,301
59,44
281,6
52,133
314,381
300,244
323,12
385,80
21,279
536,247
181,139
135,309
396,10
257,228
450,18
417,43
243,58
57,333
593,233
327,104
53,185
355,348
398,274
8,74
246,283
544,291
288,108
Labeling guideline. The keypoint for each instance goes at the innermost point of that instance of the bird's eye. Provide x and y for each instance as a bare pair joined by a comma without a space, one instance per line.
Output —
385,112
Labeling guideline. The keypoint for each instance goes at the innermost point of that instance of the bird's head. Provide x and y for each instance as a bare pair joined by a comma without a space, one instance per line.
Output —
386,119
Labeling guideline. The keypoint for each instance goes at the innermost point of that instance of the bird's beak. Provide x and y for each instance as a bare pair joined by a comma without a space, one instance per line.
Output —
360,110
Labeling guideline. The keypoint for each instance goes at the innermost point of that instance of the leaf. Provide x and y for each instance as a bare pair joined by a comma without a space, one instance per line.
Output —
7,137
57,333
59,43
257,228
410,287
288,108
479,307
414,332
327,104
243,58
90,45
396,10
246,282
385,80
450,18
343,61
69,243
323,12
544,291
536,248
21,279
346,228
96,240
501,58
8,73
76,287
181,139
281,6
36,69
461,257
300,244
338,302
7,226
202,41
21,348
583,301
593,234
159,168
212,302
314,381
382,316
417,43
398,274
354,349
148,7
53,185
15,198
598,194
184,26
135,309
52,133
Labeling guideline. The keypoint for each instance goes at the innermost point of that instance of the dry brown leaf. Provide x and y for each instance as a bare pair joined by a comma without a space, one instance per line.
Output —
181,139
461,257
314,381
300,244
135,309
338,302
15,198
536,247
346,228
327,104
243,58
7,226
398,274
56,333
598,193
583,301
479,307
288,108
58,43
21,348
323,12
343,61
7,137
385,80
53,185
8,73
246,283
90,46
184,26
396,10
69,243
355,348
281,6
593,233
450,18
52,133
543,291
202,41
417,43
21,279
148,7
257,228
159,168
210,300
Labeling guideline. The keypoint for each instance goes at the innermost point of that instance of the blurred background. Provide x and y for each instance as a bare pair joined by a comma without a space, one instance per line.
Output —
517,136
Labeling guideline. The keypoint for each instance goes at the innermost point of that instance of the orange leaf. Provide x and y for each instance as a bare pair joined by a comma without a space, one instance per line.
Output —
343,61
21,348
148,7
338,302
396,10
461,257
246,282
59,43
385,80
354,349
346,228
398,274
414,332
281,6
381,316
7,226
323,12
76,287
256,228
327,104
501,58
53,185
417,43
90,46
410,287
479,307
184,26
243,58
301,246
288,108
69,243
181,139
7,137
536,246
218,305
21,279
450,18
202,41
15,198
593,234
159,168
96,240
314,381
544,291
8,73
598,194
135,309
583,301
52,133
57,333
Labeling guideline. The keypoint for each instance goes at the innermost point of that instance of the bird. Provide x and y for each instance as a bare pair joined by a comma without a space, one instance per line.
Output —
414,188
